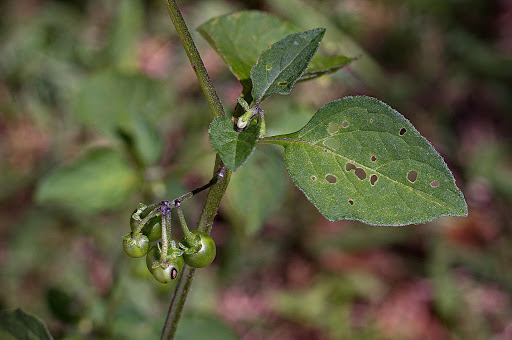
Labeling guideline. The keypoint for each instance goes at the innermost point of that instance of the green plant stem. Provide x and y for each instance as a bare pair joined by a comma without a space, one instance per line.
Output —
195,59
211,206
178,302
215,194
189,237
145,220
216,191
165,237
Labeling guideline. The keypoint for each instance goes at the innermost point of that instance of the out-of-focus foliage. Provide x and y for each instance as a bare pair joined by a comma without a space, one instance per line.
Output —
16,324
257,190
108,81
99,180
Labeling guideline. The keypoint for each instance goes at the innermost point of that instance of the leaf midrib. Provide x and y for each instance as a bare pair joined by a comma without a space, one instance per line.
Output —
422,194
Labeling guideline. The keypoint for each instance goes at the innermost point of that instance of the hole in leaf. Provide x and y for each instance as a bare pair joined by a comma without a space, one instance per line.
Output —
332,143
351,202
345,124
350,166
373,158
403,131
282,83
333,127
268,67
360,173
434,184
371,121
373,179
313,178
331,179
412,176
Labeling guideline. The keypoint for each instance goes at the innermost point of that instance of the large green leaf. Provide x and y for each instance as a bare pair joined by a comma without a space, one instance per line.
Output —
233,147
240,37
279,67
17,324
99,180
357,158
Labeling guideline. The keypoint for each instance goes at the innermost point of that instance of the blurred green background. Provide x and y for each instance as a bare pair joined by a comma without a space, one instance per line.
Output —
100,110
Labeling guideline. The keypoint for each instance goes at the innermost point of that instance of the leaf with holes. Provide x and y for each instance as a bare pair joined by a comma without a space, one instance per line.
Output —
280,66
233,147
359,159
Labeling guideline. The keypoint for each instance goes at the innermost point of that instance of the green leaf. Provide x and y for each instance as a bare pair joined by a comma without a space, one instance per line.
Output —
17,324
109,101
239,39
125,34
324,65
127,106
99,180
359,159
148,143
256,190
279,67
233,147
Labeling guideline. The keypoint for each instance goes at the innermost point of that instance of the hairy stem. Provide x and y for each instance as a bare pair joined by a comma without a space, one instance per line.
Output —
195,59
215,194
187,234
216,191
165,237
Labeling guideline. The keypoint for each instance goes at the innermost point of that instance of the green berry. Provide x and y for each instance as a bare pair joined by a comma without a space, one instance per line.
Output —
202,254
135,245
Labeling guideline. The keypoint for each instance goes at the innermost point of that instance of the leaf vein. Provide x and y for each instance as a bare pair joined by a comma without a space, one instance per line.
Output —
425,196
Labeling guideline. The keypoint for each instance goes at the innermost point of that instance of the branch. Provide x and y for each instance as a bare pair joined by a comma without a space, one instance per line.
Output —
208,213
216,192
195,59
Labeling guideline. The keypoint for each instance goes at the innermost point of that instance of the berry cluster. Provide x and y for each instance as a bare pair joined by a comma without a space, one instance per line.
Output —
166,257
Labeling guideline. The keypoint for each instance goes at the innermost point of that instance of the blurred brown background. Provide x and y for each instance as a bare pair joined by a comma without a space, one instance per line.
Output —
100,110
